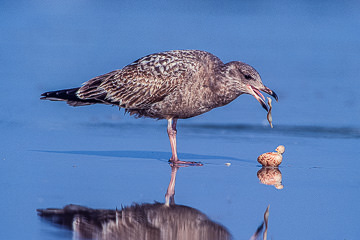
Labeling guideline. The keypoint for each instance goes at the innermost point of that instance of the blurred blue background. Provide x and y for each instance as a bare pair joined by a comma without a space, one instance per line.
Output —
52,154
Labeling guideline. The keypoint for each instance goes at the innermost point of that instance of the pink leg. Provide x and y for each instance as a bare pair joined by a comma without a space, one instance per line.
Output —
171,130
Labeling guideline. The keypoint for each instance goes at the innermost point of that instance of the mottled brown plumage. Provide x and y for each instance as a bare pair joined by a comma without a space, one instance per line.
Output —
169,85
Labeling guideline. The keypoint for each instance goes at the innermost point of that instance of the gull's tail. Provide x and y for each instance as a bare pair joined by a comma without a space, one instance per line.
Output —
70,96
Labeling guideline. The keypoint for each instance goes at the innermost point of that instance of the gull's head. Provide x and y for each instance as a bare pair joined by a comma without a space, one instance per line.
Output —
248,80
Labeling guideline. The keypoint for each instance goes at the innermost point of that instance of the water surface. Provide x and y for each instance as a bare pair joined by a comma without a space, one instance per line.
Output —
52,155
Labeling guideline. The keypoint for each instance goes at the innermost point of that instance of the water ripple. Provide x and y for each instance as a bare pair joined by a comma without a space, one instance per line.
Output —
214,128
302,131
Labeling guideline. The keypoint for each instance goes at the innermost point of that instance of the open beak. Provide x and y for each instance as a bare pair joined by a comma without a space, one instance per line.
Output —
261,99
270,92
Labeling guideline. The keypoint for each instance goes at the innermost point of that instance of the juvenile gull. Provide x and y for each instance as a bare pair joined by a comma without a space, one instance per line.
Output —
169,85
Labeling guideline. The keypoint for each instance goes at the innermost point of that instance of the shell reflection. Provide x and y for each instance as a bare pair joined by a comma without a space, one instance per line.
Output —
270,176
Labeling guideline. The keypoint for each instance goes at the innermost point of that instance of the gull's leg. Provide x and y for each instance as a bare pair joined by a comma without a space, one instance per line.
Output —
171,130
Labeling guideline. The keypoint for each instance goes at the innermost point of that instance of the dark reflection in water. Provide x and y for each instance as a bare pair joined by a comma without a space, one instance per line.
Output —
139,221
156,155
142,221
288,130
270,176
298,131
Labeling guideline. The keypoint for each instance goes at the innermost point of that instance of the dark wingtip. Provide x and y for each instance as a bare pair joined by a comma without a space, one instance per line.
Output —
44,95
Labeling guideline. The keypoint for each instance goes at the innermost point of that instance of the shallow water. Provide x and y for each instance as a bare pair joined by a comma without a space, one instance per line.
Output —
52,155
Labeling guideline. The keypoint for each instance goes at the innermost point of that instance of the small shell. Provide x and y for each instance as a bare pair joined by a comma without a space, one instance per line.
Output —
272,159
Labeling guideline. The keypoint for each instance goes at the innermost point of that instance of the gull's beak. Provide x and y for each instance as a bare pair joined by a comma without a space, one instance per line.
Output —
270,92
257,94
261,99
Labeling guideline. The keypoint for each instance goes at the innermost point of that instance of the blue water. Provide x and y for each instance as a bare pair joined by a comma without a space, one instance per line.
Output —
52,155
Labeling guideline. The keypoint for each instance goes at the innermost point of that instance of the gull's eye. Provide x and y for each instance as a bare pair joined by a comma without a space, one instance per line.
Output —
247,76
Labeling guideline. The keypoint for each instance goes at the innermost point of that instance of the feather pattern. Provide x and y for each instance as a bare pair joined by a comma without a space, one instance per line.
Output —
149,80
146,81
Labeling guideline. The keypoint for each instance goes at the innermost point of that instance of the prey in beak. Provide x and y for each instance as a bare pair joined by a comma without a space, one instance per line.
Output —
261,99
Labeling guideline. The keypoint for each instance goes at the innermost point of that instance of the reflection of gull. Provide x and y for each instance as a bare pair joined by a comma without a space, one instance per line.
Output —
170,193
260,228
143,221
140,221
270,176
169,85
